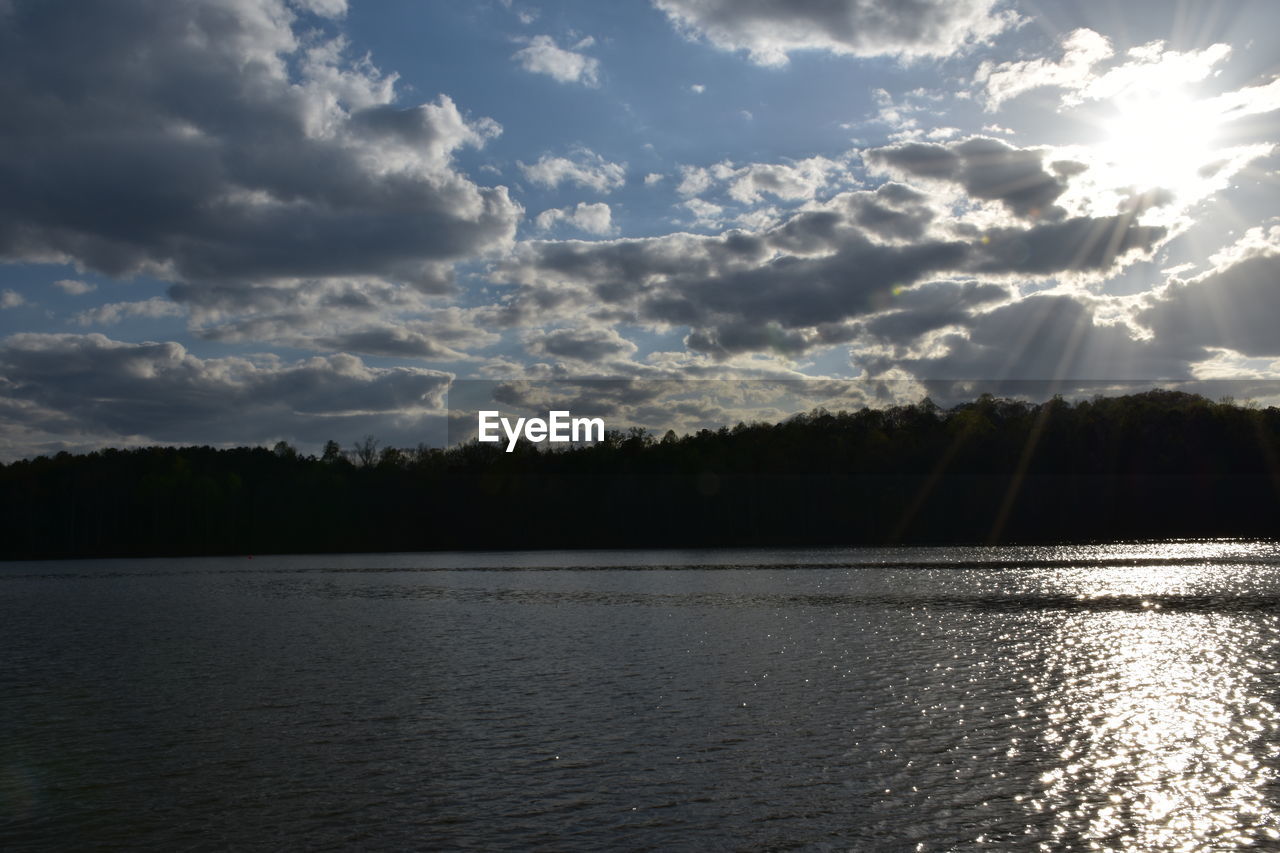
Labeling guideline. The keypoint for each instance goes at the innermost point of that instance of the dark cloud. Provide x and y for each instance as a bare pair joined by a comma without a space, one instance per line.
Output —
582,344
894,211
733,338
389,341
801,292
442,334
797,285
1236,307
811,232
931,306
1079,244
987,169
218,307
1049,337
213,142
161,392
770,29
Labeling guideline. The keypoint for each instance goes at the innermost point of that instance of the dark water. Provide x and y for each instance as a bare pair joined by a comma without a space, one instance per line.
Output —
1038,698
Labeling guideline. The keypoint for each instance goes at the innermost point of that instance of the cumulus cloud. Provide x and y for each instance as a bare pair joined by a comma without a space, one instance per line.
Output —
207,142
543,56
584,168
370,320
114,312
1146,67
892,212
1234,306
736,337
74,287
943,331
750,183
1048,337
593,218
444,337
161,392
1081,50
705,213
796,285
1081,244
771,29
324,8
584,345
11,299
986,168
694,180
800,180
916,311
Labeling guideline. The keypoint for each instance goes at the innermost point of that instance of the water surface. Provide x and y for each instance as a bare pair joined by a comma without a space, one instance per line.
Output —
933,699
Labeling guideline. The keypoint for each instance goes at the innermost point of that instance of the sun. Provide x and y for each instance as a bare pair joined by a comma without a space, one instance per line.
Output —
1159,139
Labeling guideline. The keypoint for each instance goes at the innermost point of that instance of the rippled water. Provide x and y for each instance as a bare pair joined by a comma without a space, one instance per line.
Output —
1112,697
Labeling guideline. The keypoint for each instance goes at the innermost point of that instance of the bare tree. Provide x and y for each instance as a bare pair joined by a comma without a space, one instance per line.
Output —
366,451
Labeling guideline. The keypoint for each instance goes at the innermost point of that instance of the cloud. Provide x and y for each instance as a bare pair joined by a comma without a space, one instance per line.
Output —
1178,332
161,392
585,169
1081,50
800,180
1149,67
542,56
211,143
433,339
771,29
592,218
114,312
705,213
585,345
324,8
749,183
734,338
74,286
925,308
11,299
694,180
893,212
986,168
365,318
1080,244
1047,337
1250,100
796,285
1234,306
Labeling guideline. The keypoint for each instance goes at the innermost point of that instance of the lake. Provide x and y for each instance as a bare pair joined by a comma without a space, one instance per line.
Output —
899,699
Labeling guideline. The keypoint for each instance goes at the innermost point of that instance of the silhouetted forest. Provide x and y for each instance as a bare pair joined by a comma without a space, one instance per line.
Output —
1152,465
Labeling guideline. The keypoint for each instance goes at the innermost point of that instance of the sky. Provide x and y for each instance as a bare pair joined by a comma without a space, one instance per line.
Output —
247,221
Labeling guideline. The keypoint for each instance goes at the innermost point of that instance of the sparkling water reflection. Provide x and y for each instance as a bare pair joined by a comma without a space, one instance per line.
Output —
1094,697
1163,737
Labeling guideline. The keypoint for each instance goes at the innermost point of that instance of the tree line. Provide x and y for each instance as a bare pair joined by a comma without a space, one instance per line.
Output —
1152,465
